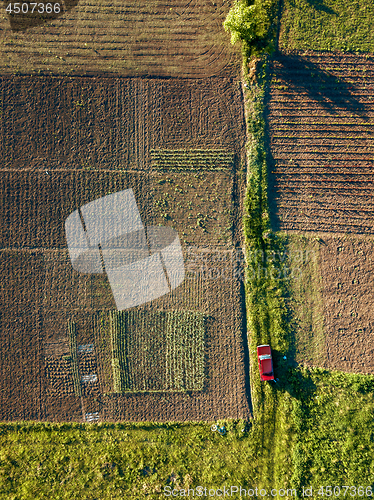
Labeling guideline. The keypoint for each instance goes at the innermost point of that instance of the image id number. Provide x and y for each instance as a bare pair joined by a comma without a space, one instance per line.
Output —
40,8
344,491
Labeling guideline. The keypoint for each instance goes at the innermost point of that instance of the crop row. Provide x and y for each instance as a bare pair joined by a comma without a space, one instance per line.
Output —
298,151
144,351
297,190
285,125
294,169
334,140
294,179
72,334
192,159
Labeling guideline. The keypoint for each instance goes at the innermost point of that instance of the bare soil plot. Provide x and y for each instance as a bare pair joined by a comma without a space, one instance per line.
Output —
193,204
21,371
320,124
114,123
332,300
179,38
179,146
347,266
36,204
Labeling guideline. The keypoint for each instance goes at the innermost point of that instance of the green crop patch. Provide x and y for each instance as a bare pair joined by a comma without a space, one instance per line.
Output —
196,159
328,25
150,351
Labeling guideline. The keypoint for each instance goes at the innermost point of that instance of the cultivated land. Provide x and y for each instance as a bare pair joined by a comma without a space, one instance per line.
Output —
179,145
175,38
320,123
321,126
313,428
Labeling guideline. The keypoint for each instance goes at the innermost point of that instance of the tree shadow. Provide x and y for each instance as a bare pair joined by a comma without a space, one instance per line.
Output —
328,90
34,14
295,75
289,378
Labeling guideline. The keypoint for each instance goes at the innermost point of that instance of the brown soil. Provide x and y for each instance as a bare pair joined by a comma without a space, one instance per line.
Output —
347,266
320,124
59,155
114,123
178,38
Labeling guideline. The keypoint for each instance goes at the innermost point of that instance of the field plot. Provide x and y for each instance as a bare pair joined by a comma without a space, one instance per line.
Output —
178,38
142,351
333,300
114,123
306,304
217,296
21,371
36,204
347,266
320,121
179,145
153,383
193,204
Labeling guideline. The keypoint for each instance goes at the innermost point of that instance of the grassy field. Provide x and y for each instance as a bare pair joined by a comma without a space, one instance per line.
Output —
327,25
119,461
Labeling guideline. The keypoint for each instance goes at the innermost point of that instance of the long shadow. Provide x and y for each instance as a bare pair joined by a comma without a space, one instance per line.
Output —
300,75
245,341
34,14
330,91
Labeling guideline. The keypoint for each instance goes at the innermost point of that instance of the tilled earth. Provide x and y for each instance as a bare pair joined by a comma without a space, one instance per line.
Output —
320,123
68,141
320,118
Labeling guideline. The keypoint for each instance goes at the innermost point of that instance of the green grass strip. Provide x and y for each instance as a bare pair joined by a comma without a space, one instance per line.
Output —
329,25
117,332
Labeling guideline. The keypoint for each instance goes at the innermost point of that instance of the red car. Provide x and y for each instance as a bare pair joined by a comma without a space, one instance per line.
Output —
265,362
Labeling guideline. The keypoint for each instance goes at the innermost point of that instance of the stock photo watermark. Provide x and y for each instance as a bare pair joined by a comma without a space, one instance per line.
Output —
229,266
250,492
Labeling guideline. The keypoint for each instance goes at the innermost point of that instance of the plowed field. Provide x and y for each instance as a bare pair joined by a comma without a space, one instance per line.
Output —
114,123
321,127
179,38
179,145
